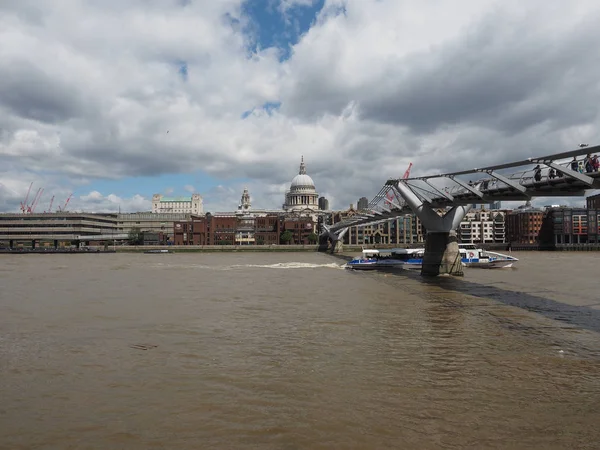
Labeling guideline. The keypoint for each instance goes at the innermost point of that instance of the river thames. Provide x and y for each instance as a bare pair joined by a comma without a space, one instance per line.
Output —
291,351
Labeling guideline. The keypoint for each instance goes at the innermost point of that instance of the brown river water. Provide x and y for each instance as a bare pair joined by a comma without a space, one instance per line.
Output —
290,351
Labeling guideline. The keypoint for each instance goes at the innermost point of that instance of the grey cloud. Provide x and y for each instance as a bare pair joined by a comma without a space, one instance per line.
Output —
502,74
499,77
32,94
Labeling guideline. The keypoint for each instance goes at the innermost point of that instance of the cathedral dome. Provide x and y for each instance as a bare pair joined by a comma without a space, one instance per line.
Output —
302,193
302,181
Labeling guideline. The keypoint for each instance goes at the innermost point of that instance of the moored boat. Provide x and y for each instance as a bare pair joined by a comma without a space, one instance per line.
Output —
412,258
471,256
372,259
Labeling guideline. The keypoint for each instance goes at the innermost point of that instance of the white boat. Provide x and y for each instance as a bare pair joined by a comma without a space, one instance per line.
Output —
412,258
372,259
471,256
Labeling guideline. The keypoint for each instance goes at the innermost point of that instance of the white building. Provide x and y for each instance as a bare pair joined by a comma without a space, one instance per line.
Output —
302,194
193,205
483,226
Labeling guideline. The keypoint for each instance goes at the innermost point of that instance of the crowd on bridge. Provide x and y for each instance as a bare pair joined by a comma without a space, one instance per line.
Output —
587,165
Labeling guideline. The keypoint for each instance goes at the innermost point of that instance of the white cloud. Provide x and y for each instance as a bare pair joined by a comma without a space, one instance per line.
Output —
189,188
97,202
90,89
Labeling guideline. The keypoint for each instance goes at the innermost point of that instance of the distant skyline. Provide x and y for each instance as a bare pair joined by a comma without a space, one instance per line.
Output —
116,101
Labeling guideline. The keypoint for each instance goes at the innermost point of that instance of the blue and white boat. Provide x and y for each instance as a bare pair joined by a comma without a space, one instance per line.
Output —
471,256
412,258
372,259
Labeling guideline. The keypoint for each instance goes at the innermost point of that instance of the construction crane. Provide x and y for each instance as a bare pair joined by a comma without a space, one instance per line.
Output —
36,200
50,207
391,194
24,206
407,173
35,197
64,208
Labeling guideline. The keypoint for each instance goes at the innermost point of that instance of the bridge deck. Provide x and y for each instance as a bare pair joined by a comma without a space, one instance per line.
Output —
555,178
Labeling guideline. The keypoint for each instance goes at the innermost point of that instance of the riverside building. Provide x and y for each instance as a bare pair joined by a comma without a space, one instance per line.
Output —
180,205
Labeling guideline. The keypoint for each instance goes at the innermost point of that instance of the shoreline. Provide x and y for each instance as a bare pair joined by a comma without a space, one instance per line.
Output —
274,248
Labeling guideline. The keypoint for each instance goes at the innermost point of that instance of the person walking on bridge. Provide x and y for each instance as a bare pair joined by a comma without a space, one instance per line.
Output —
575,164
587,163
594,164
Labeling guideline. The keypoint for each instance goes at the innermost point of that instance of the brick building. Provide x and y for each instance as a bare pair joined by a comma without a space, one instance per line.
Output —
301,228
523,226
593,202
268,229
228,229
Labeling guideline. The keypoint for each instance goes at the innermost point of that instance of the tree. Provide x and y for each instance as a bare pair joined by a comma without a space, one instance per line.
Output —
313,238
286,237
135,236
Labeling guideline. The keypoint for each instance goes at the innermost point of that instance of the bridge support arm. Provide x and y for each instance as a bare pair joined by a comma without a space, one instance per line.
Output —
439,191
336,238
442,256
508,182
471,189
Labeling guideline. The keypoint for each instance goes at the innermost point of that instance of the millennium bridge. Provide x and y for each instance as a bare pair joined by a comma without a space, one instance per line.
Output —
441,201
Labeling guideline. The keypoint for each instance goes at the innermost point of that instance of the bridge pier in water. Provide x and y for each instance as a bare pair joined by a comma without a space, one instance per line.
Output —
337,246
441,256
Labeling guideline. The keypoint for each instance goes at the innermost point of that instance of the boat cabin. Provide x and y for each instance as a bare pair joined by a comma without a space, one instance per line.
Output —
370,253
406,254
470,251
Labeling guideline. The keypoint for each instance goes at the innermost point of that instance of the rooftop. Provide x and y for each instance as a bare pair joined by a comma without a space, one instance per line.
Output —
175,199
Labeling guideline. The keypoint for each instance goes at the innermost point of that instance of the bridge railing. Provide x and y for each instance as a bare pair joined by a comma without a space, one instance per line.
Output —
525,178
388,203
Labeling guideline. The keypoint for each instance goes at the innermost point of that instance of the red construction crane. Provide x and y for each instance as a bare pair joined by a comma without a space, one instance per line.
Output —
35,197
391,194
50,207
64,208
36,200
24,206
407,173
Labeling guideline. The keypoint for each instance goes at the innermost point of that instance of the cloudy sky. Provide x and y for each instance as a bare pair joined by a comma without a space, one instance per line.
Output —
116,100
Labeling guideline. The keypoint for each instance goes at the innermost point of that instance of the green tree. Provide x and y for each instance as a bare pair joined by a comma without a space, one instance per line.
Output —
313,238
286,237
135,236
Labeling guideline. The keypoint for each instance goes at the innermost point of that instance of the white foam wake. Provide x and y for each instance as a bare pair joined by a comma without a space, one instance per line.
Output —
290,265
286,265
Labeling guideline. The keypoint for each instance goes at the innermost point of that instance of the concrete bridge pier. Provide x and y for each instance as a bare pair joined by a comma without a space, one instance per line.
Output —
336,239
337,243
441,256
337,247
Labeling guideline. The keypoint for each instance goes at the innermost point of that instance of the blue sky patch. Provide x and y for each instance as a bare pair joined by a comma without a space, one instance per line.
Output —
269,107
269,27
172,185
